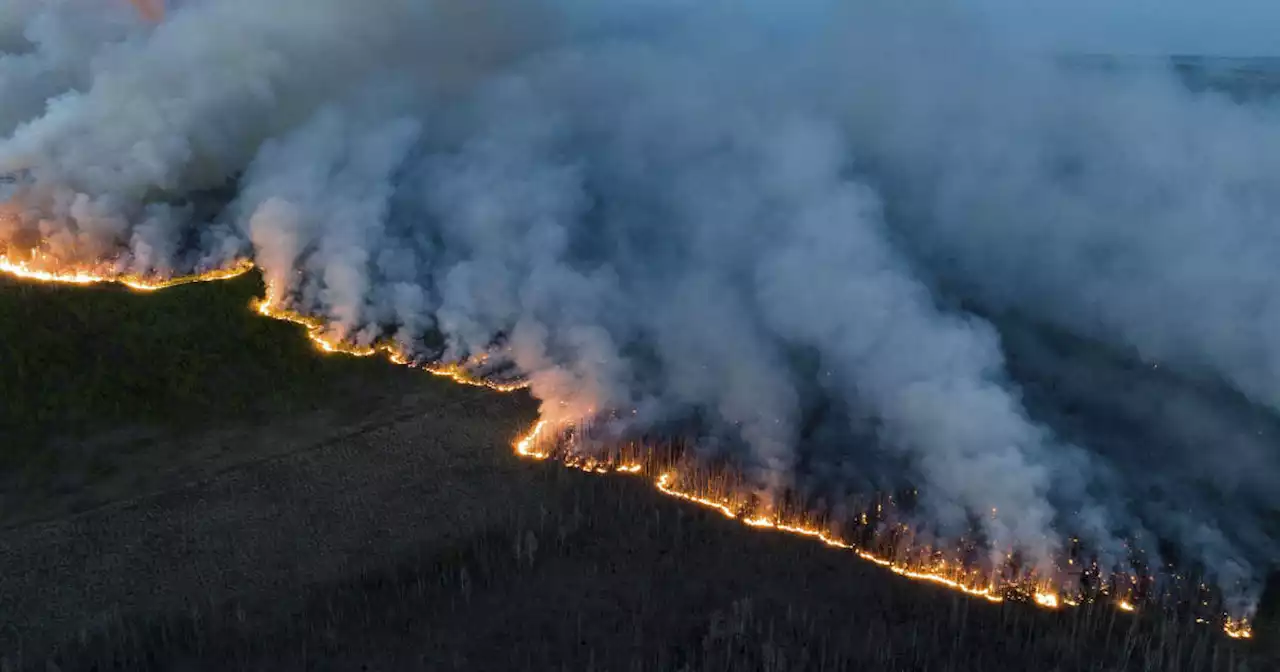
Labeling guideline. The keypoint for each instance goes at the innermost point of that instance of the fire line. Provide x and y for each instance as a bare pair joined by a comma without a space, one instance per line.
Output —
527,446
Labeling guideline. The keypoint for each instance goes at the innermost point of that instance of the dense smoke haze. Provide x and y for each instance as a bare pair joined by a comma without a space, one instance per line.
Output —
855,244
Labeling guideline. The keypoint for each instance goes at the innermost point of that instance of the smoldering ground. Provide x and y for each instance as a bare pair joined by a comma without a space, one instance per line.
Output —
802,223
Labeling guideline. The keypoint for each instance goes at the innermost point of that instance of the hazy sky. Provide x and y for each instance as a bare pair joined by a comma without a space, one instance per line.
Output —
1218,27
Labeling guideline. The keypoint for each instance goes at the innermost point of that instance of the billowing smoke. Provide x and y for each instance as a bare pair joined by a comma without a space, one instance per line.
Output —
851,243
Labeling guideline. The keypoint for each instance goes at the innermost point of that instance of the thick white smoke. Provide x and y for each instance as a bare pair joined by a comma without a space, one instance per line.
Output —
684,209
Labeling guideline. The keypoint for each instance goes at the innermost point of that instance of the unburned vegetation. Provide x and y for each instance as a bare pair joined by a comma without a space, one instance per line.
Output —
108,392
78,360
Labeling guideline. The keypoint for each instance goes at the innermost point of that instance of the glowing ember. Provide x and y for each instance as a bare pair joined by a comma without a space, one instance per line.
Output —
1047,600
1238,629
587,464
1125,605
524,447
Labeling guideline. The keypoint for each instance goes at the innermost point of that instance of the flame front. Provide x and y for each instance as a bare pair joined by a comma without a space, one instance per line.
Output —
316,331
36,271
953,578
666,484
530,445
1047,600
524,446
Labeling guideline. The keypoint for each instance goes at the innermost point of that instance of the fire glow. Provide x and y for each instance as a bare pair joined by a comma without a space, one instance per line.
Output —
35,271
532,445
1047,600
316,332
1237,629
524,445
666,484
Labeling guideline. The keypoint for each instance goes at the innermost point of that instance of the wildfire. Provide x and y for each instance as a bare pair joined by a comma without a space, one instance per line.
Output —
524,446
45,270
1047,600
458,375
317,333
24,272
1237,629
595,466
141,284
34,272
987,593
813,532
666,483
530,445
952,578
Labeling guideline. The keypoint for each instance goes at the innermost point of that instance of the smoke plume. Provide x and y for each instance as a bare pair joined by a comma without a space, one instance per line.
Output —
851,243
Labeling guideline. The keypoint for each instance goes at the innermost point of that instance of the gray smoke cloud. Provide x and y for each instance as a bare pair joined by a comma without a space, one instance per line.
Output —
48,47
820,228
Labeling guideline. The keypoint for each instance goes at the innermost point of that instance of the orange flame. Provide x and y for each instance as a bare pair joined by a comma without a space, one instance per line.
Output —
1047,600
86,276
665,484
524,446
1237,629
316,328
